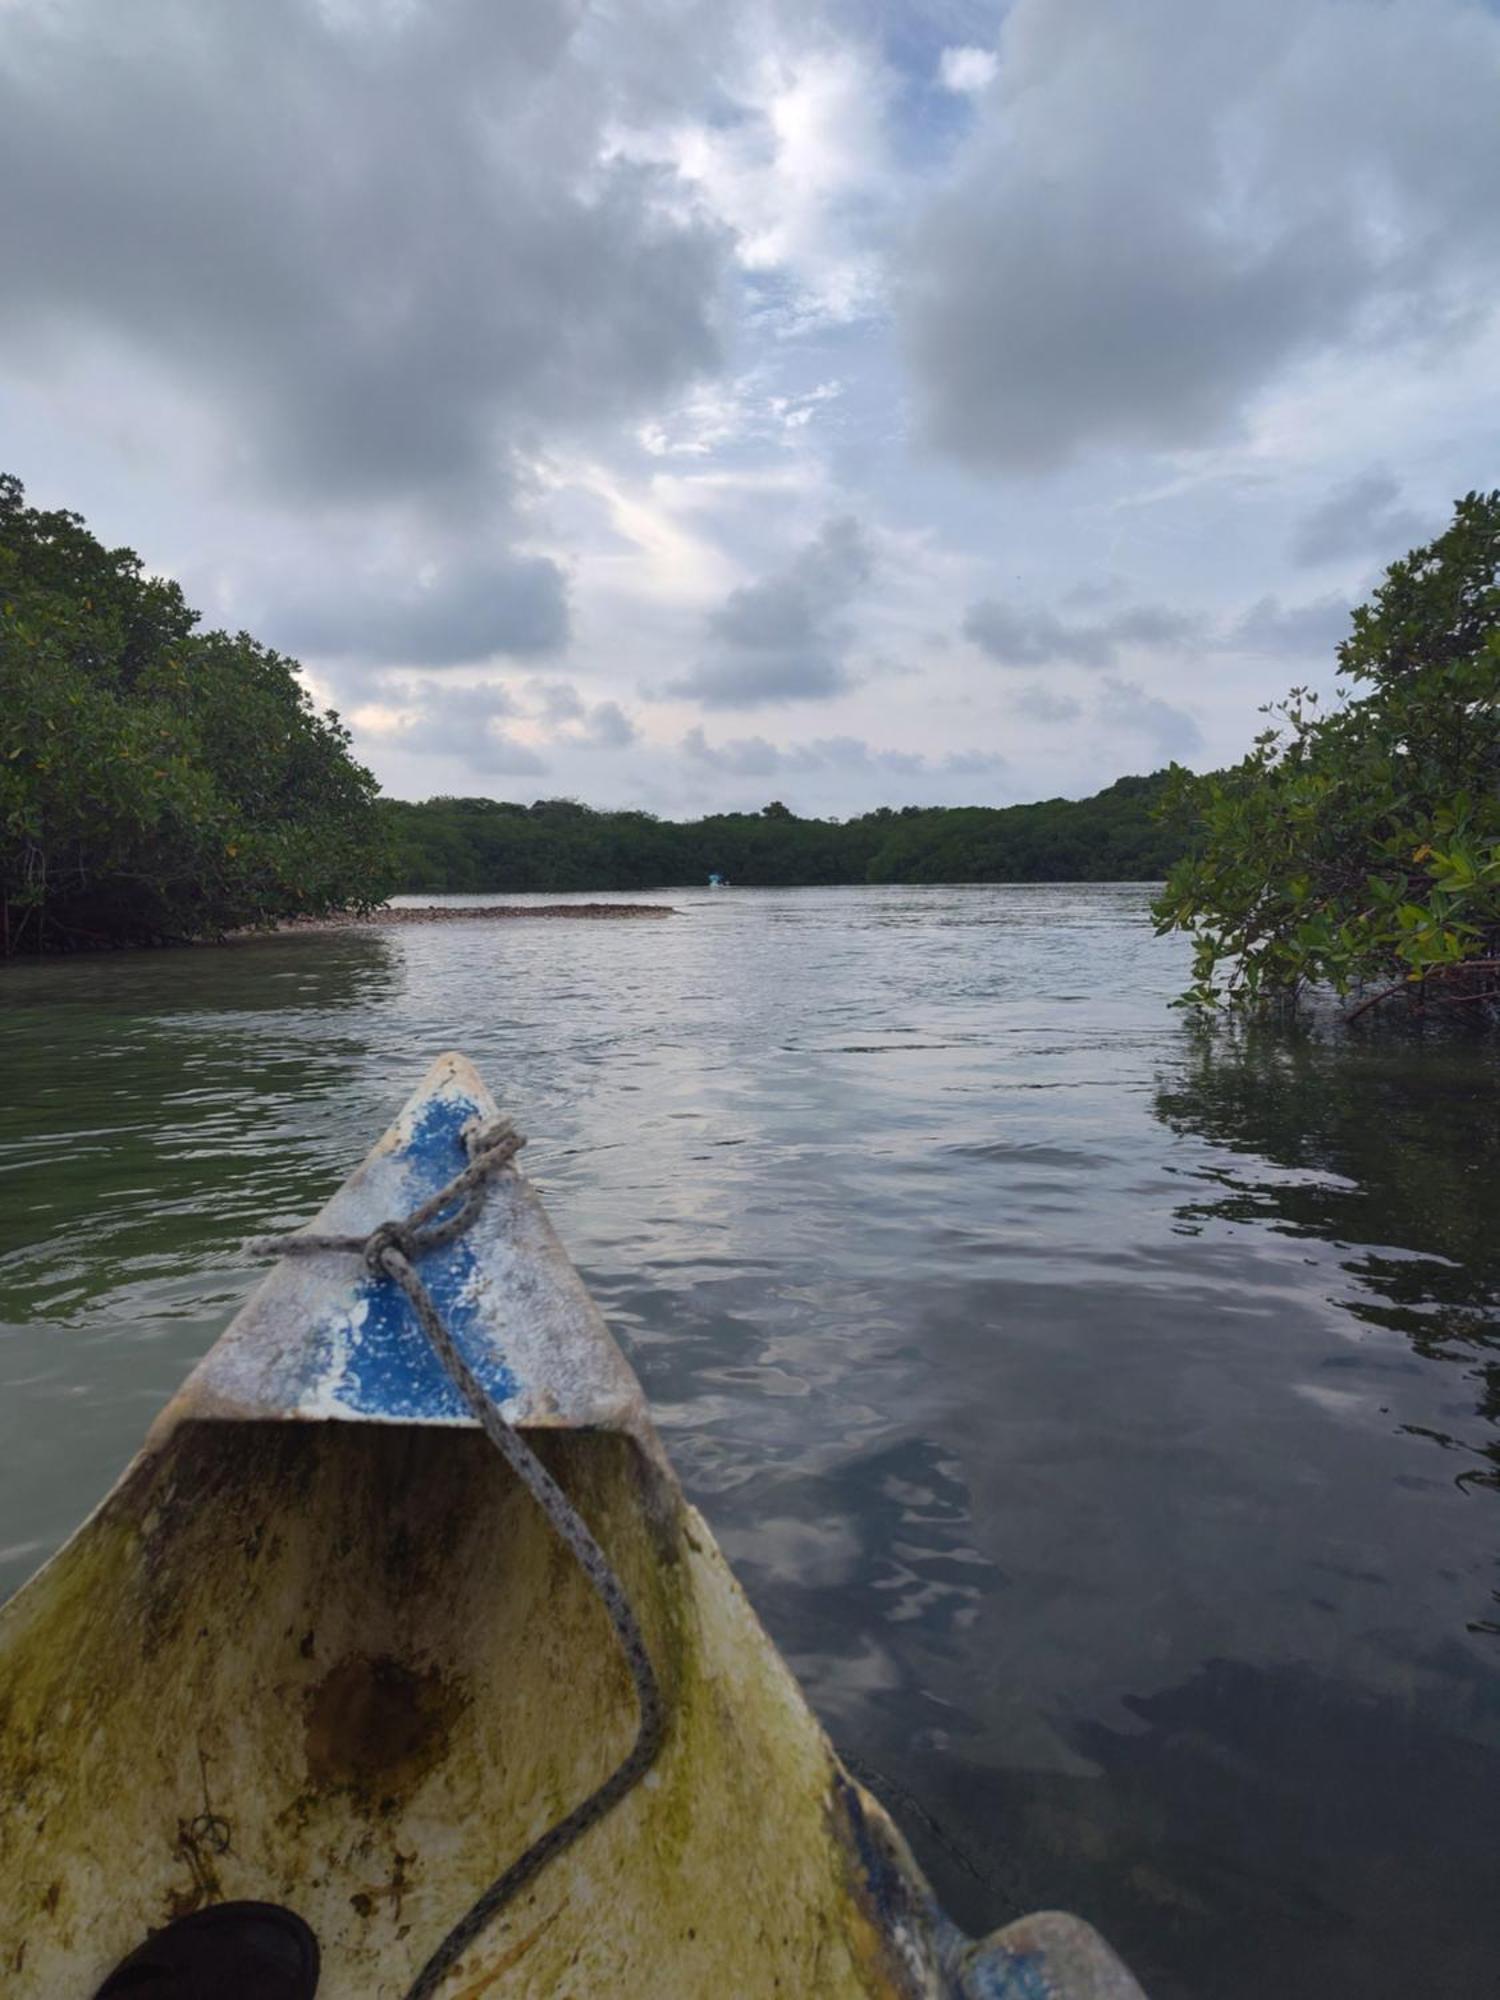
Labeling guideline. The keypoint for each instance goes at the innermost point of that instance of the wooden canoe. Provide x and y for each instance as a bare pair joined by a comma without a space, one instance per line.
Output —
319,1648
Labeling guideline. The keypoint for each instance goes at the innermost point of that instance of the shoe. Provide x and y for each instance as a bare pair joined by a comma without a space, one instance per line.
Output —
229,1951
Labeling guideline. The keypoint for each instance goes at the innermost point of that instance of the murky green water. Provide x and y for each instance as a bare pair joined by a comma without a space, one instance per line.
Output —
1102,1417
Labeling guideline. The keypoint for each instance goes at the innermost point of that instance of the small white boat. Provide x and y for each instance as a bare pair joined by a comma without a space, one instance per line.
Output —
320,1648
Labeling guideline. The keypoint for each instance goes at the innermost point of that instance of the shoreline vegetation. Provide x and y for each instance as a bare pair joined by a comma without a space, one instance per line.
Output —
158,783
1358,845
164,785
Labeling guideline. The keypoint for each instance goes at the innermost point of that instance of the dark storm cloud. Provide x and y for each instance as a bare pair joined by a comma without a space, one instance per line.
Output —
1164,205
784,638
1360,518
510,604
1031,636
380,244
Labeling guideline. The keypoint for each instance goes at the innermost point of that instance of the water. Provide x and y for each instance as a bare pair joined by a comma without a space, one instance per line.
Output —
1102,1417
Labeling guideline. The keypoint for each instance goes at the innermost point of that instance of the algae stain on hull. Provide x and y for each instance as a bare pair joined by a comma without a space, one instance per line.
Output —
374,1725
353,1653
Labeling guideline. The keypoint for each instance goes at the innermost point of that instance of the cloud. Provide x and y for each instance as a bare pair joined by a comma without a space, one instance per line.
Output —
794,607
602,726
458,722
441,342
1096,590
1172,732
744,756
754,756
461,614
1164,207
1269,626
970,763
608,727
967,70
785,637
1359,518
796,163
380,246
1034,636
754,679
556,701
1040,705
1030,636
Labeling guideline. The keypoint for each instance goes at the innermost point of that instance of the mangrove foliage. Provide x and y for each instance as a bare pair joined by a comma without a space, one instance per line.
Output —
157,781
1357,847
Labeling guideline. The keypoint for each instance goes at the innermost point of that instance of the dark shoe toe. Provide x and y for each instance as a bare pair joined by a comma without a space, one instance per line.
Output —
230,1951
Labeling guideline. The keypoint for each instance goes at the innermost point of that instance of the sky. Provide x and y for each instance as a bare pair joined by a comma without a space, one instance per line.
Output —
679,405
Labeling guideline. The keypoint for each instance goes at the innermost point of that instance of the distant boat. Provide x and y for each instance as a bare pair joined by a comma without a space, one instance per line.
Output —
718,881
321,1660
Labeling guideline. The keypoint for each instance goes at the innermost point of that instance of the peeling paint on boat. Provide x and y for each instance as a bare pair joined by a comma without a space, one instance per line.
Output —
319,1647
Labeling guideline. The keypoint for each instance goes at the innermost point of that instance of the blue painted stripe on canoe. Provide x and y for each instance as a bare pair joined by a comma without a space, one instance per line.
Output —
389,1369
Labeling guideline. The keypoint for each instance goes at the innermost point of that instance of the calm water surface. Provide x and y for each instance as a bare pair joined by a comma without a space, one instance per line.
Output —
1102,1417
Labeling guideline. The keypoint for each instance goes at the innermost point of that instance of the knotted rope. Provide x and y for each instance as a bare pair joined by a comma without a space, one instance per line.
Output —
392,1251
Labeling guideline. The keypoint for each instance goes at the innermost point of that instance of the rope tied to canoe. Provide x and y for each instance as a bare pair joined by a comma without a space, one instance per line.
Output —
392,1250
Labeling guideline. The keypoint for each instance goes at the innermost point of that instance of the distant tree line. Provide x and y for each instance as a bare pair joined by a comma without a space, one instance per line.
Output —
463,845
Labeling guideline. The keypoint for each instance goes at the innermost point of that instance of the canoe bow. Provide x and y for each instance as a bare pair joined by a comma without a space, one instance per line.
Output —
318,1647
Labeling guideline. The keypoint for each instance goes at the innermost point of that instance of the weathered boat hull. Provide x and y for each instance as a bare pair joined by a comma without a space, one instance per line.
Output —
319,1647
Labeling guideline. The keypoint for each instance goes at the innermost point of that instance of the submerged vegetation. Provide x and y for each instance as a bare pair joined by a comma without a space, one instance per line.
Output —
156,781
470,845
1358,845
